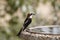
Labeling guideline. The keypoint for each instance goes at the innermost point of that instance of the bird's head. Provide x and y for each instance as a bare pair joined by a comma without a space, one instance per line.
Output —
30,15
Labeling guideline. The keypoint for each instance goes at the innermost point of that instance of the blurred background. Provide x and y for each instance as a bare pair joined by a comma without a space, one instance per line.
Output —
13,14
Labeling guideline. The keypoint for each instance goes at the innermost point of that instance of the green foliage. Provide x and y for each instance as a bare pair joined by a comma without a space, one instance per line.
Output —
15,25
14,20
2,36
21,2
53,3
59,6
44,1
11,2
14,5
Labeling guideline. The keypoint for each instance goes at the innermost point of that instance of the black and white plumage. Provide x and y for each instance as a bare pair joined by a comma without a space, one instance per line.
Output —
27,21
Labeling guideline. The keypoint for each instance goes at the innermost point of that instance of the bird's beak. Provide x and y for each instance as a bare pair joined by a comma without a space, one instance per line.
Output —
33,14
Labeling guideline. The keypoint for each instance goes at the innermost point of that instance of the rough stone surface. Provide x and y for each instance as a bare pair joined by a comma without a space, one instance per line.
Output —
32,36
35,36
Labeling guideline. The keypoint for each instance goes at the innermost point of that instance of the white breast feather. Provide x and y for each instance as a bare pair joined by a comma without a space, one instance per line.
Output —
31,16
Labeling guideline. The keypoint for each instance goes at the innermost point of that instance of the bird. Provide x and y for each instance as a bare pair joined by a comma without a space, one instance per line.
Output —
27,21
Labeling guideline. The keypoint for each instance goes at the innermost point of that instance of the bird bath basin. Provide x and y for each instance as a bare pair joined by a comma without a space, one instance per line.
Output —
45,30
42,33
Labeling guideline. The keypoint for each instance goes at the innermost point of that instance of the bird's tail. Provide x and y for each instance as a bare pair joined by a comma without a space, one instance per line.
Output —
20,32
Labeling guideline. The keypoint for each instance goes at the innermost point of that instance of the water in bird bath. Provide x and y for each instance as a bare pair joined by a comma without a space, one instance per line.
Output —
45,30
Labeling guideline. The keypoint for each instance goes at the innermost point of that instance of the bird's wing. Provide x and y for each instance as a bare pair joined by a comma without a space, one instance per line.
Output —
26,22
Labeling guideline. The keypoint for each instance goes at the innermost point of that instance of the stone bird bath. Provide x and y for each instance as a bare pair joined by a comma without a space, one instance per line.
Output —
42,33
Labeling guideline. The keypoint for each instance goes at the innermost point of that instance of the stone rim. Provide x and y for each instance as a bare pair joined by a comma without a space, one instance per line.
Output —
42,33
